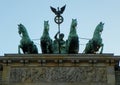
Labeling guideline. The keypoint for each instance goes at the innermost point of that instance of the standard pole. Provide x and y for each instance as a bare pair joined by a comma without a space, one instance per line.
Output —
59,38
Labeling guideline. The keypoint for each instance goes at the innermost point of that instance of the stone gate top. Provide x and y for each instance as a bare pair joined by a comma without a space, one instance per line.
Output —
57,69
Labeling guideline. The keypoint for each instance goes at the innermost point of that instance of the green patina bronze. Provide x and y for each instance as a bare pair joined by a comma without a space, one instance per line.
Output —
72,44
59,44
45,40
96,42
27,46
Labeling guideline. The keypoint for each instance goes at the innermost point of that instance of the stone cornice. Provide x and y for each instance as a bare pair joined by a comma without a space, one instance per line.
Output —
59,58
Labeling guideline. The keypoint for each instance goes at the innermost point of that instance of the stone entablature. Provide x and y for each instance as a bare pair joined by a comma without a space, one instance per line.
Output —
57,69
58,58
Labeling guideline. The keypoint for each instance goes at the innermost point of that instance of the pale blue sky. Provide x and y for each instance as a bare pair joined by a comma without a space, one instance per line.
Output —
32,14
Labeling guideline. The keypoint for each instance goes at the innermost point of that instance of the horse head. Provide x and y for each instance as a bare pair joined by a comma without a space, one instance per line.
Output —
46,26
73,27
99,28
74,23
22,30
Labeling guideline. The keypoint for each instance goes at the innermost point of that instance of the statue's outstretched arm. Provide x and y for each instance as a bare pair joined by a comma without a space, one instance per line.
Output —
56,35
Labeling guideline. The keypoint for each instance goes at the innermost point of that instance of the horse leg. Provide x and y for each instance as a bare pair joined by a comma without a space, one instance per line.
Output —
19,46
101,48
35,49
88,48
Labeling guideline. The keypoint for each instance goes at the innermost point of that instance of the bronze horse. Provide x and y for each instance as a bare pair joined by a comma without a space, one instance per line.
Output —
96,42
27,46
45,40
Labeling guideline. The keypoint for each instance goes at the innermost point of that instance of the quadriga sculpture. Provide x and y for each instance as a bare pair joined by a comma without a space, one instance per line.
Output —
45,40
72,44
27,46
96,42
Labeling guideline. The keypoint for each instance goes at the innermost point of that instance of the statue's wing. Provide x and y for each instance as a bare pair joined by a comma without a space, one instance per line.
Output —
53,10
62,9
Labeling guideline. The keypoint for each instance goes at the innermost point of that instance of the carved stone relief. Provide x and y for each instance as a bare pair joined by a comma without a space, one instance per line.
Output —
58,74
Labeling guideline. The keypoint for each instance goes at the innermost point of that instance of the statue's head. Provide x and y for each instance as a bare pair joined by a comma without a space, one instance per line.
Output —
46,25
61,35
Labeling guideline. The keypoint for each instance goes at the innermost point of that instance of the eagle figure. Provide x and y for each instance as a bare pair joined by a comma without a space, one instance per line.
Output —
58,11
